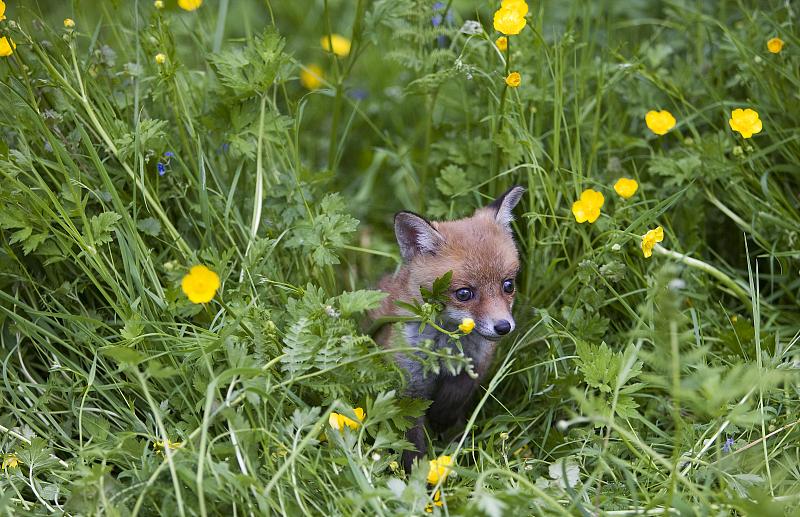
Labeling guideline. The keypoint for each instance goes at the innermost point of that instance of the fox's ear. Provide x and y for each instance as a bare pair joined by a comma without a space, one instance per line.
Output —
415,235
504,205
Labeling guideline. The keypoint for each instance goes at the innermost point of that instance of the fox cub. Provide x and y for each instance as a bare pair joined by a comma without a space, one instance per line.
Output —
481,253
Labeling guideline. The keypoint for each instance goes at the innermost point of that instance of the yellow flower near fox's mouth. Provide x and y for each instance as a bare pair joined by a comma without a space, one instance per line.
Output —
775,45
190,5
650,239
337,42
626,187
10,461
502,43
587,208
745,121
311,77
509,21
69,23
339,422
467,324
659,122
514,79
439,468
200,285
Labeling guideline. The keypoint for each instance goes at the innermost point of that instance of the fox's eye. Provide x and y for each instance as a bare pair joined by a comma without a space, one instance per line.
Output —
508,286
464,294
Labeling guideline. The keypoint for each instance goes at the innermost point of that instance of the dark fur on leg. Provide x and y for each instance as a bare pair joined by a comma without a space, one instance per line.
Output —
451,401
415,435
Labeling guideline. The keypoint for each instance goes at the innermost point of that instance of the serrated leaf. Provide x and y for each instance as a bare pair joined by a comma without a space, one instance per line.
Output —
452,180
359,301
102,226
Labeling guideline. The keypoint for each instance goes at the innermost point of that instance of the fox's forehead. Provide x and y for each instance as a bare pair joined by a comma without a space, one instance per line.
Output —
477,250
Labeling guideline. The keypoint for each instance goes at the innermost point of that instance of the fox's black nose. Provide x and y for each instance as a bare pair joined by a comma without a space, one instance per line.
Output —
502,327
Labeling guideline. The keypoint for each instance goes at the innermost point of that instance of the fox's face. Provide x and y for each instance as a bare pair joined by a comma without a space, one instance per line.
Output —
481,253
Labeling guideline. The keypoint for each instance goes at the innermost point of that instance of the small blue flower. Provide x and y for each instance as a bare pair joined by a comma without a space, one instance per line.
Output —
169,154
358,94
436,20
438,6
162,169
726,447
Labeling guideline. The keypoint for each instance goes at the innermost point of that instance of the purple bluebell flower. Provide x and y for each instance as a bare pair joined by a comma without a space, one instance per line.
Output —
726,447
162,169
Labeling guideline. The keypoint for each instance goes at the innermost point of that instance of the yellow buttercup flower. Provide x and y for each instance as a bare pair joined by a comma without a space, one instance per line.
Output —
502,43
587,208
467,324
69,23
200,285
775,45
10,460
514,79
339,44
659,122
311,77
439,468
2,10
509,21
160,446
339,422
650,239
161,58
519,6
626,187
745,121
6,47
437,501
190,5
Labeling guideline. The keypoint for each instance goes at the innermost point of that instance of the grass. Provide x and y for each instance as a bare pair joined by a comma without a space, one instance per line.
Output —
631,386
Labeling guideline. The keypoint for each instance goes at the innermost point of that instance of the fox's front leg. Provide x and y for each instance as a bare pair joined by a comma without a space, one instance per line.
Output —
415,435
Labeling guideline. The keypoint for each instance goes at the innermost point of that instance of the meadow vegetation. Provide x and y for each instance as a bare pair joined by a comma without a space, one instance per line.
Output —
655,364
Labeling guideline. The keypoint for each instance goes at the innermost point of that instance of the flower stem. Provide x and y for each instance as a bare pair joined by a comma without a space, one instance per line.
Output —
238,319
740,292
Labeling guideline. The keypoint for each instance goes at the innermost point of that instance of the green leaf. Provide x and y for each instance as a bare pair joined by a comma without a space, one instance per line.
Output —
359,301
452,180
102,225
122,354
150,226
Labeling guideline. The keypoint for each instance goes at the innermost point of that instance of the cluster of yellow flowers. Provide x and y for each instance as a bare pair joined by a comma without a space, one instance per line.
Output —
743,121
339,422
311,75
438,470
587,209
510,20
